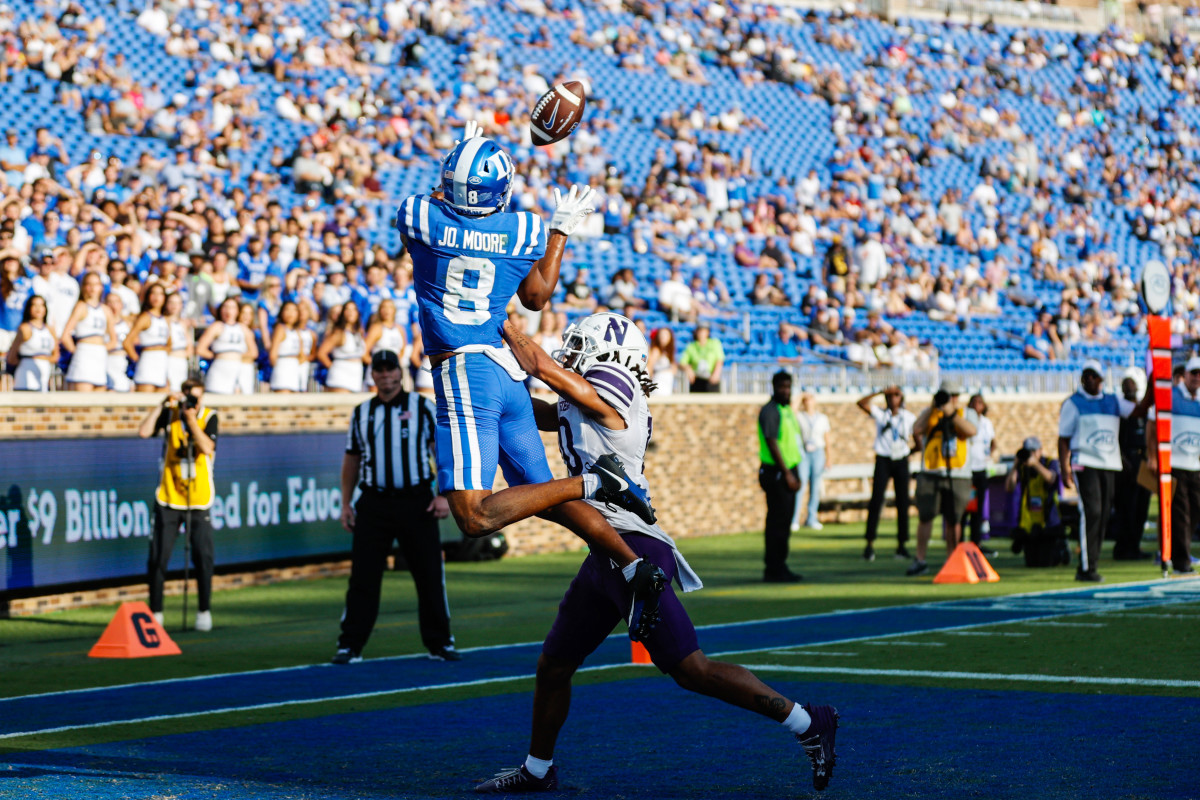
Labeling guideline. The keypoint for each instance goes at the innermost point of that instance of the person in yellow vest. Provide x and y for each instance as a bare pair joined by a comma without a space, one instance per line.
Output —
189,444
944,483
779,476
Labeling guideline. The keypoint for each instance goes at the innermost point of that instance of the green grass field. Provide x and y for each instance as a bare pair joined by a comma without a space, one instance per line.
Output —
514,600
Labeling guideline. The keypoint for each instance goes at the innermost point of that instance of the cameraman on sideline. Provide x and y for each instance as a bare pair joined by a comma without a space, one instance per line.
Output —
189,444
944,483
1036,478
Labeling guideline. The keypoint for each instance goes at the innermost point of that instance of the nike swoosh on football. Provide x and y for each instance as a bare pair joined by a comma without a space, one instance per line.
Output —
553,115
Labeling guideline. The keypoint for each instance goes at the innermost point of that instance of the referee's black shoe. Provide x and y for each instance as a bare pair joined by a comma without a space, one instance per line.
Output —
618,489
345,655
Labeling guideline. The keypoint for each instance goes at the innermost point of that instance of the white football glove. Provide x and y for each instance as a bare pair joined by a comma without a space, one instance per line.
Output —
471,130
569,211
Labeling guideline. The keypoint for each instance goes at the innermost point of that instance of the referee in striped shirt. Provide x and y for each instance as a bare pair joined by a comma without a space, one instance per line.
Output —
389,457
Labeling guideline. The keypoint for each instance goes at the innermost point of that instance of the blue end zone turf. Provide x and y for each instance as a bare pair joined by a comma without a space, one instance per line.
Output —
646,738
314,683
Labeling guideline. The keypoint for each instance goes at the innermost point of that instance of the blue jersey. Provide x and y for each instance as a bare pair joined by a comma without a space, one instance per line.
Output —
14,304
466,269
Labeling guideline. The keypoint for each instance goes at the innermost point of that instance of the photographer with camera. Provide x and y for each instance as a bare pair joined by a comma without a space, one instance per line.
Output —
1039,531
185,491
944,483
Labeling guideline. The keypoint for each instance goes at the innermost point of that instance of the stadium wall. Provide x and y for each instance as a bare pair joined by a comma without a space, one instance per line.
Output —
702,466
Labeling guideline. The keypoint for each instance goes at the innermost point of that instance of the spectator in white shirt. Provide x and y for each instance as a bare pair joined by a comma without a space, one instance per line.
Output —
675,298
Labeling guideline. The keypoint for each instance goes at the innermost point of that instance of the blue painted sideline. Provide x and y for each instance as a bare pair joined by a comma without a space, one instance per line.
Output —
191,695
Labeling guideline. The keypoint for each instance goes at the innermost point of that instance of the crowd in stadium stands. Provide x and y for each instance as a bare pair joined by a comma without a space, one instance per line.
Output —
278,275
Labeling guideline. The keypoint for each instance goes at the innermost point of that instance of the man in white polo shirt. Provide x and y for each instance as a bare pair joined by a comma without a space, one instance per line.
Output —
1088,427
1185,464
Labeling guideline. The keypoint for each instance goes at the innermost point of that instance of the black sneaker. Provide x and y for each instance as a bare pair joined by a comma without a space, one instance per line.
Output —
987,551
618,489
869,553
1188,570
520,780
817,742
787,576
447,653
1133,555
1091,576
902,553
918,568
345,655
647,586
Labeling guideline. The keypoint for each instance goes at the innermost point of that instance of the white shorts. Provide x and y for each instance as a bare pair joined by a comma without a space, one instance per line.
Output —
222,376
285,376
33,375
151,369
345,374
246,378
118,372
177,372
89,364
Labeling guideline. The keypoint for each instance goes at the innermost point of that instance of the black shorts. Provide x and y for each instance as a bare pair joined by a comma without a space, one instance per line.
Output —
938,494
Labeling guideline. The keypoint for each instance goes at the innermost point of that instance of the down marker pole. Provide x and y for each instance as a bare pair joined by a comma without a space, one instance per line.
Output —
1156,292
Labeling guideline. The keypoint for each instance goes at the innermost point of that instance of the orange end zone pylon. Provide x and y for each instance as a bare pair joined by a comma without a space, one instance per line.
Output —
638,653
966,565
133,633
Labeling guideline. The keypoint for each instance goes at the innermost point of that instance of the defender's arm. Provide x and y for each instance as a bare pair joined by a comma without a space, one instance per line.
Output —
566,384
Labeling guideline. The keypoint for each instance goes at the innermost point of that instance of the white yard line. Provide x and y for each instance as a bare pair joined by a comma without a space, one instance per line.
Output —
978,676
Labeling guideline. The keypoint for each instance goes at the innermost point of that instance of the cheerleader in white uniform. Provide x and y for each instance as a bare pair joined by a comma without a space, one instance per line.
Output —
248,375
118,363
152,333
384,333
308,345
223,344
285,350
344,352
88,328
179,357
35,348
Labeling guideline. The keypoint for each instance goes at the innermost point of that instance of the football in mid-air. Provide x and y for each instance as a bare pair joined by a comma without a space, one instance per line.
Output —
557,113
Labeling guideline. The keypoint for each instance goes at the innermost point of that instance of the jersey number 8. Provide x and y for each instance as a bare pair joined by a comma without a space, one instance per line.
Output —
461,271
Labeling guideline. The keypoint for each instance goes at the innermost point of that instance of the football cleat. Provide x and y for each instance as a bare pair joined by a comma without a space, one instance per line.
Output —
918,567
446,653
648,584
520,780
345,655
817,742
619,490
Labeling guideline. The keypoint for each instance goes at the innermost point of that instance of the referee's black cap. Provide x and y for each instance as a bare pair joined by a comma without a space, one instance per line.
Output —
384,360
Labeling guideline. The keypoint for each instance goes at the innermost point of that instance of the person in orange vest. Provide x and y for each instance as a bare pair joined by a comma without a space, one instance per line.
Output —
944,483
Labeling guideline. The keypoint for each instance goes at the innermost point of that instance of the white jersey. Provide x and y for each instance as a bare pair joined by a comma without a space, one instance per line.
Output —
582,440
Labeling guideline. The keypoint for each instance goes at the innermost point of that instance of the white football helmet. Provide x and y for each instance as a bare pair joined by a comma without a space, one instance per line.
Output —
606,338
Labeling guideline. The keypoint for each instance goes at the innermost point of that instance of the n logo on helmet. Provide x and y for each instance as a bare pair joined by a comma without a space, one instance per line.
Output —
617,328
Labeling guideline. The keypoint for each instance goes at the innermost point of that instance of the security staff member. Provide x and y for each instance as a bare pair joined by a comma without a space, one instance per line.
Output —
389,454
1088,428
779,476
185,491
1132,500
944,483
893,434
1185,464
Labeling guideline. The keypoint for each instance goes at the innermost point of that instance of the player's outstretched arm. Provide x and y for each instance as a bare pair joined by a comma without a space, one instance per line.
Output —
568,385
538,286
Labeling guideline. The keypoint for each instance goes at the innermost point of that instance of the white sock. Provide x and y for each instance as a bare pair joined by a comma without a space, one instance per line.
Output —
798,721
630,569
591,485
538,767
